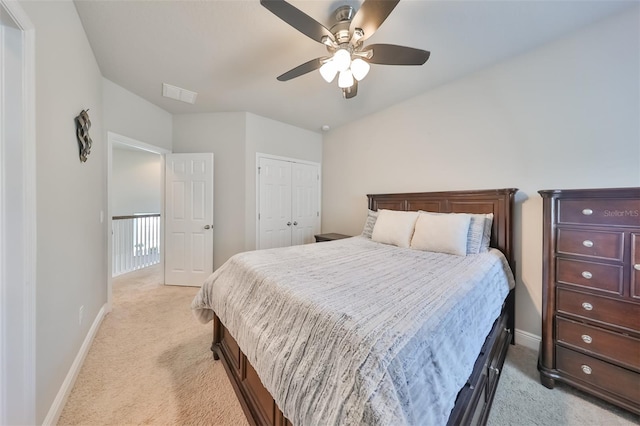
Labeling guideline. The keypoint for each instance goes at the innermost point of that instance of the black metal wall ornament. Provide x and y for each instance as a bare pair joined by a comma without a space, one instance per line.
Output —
83,124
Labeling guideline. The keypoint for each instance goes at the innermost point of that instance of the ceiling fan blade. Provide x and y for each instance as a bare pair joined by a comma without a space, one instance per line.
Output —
371,15
298,19
350,92
390,54
309,66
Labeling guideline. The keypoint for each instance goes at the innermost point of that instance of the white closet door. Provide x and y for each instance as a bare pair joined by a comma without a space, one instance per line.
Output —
305,212
275,203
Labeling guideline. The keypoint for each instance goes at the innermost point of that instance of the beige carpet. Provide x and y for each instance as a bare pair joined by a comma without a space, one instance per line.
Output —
150,363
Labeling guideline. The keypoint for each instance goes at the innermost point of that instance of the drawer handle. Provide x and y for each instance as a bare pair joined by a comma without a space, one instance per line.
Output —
587,243
587,306
636,266
586,369
588,275
586,338
587,212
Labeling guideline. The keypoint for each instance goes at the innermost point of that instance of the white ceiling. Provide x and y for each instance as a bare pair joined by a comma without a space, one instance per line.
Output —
231,51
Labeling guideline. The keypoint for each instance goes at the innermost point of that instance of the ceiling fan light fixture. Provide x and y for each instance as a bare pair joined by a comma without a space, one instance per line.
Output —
342,59
328,71
345,79
360,68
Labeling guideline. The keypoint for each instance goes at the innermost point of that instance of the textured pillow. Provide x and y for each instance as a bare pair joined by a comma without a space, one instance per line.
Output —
394,227
369,224
486,236
476,232
443,233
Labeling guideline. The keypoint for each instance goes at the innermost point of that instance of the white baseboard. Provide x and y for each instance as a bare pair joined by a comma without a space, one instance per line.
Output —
527,340
61,398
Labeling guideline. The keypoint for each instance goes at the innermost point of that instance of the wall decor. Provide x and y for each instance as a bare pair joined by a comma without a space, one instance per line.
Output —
83,124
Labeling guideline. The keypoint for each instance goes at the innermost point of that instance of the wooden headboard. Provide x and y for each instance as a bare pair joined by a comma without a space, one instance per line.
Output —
496,201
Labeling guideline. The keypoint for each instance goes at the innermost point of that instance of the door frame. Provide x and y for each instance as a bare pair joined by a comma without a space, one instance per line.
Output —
114,140
18,268
260,155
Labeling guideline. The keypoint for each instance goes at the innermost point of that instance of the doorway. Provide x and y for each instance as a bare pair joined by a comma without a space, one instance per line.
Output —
143,250
17,216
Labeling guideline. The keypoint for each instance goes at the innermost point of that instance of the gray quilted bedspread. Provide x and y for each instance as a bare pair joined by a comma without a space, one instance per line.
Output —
354,332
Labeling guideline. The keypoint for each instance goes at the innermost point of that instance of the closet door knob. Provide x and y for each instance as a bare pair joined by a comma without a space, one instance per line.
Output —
288,223
207,227
295,223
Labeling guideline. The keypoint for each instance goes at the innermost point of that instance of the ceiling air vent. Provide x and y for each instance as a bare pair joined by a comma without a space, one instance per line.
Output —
178,93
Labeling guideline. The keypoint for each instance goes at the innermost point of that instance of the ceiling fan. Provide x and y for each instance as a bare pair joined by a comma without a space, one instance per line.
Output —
348,58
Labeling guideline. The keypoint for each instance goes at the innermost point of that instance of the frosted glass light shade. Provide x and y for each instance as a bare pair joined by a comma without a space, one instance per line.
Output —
345,79
359,68
328,71
342,59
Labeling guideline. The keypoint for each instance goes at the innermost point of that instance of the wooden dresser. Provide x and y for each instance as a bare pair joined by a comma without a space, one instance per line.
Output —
591,293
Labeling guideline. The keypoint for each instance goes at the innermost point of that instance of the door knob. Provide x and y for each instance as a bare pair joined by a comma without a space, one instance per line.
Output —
295,223
207,227
288,223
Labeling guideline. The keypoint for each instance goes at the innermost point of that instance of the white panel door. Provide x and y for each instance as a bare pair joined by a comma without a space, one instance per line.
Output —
305,211
274,203
188,219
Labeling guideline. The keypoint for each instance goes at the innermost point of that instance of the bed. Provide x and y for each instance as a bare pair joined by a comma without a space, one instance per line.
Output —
347,332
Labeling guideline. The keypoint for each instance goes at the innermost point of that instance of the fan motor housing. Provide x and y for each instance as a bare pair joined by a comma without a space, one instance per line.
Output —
342,17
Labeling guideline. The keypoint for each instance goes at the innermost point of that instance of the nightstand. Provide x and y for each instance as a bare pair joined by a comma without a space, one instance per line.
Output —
330,237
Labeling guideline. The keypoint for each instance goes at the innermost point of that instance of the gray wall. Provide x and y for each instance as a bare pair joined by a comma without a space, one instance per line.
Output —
234,138
129,115
562,116
71,241
136,181
224,135
266,136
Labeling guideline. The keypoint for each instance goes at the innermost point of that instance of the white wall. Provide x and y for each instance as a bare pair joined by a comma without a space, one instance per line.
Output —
71,241
136,182
130,115
563,116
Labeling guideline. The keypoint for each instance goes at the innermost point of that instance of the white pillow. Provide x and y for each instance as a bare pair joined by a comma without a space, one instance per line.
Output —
443,233
394,227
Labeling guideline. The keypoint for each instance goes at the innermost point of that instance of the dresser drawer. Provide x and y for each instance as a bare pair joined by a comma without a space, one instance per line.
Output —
618,313
602,211
597,276
603,245
609,377
618,348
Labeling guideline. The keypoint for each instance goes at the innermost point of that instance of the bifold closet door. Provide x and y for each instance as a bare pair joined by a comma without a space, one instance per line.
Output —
289,201
305,211
275,203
